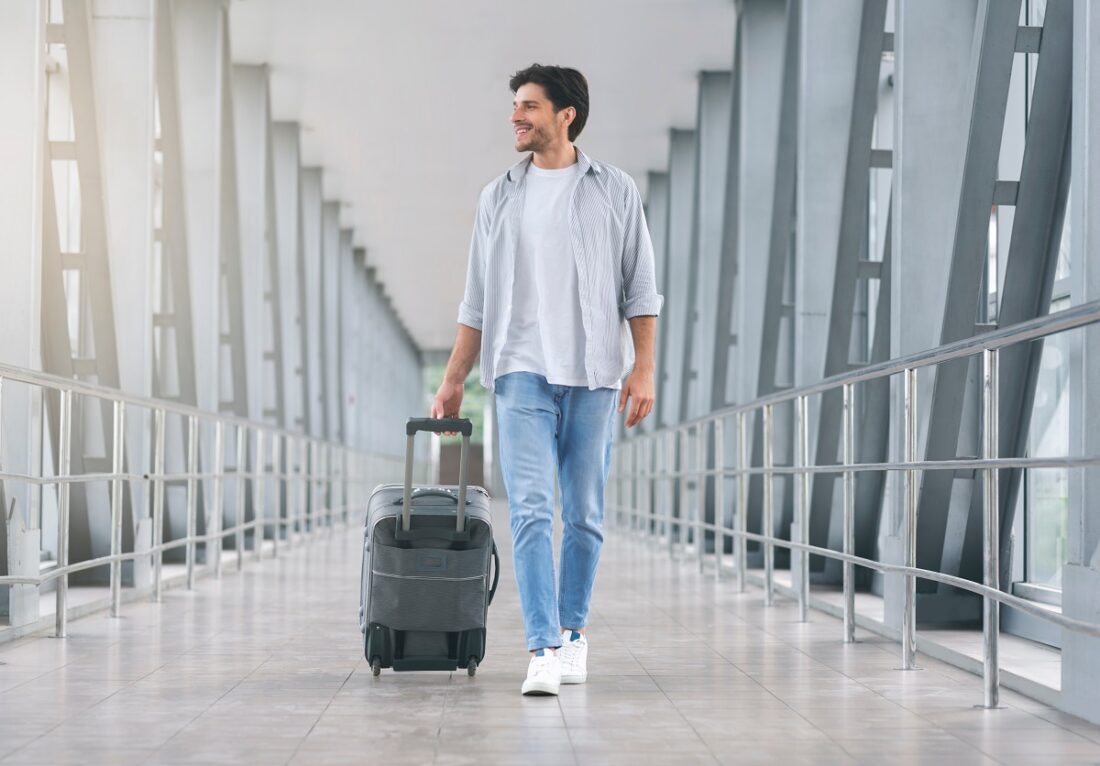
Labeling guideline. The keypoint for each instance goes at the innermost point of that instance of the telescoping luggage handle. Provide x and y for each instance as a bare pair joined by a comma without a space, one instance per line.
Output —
439,426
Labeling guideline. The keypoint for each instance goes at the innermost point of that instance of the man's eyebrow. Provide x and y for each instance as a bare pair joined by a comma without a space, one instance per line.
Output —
525,101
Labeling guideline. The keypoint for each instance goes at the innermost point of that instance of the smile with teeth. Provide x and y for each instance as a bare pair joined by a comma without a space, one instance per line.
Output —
522,131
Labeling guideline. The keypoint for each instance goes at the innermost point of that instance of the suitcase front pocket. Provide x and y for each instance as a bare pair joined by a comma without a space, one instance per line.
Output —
428,589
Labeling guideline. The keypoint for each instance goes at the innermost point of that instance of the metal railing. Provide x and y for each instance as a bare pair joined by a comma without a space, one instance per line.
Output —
648,467
316,484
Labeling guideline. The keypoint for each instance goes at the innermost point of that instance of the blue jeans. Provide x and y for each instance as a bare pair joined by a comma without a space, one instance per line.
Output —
546,430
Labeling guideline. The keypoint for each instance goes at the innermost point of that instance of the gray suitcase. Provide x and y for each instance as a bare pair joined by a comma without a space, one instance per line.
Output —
428,557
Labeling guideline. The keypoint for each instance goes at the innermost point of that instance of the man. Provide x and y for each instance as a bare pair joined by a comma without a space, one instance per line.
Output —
560,264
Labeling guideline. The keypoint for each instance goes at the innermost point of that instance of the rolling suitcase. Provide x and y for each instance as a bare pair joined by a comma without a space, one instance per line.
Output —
427,559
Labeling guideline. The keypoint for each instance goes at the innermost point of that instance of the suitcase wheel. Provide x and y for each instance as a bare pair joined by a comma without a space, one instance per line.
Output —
376,666
471,667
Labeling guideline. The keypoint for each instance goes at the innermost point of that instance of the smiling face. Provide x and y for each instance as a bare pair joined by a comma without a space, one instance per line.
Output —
536,125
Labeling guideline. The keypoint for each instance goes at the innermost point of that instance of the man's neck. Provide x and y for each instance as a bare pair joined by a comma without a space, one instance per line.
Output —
555,157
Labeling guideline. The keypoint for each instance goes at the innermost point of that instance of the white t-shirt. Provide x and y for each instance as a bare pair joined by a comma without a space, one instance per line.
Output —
546,333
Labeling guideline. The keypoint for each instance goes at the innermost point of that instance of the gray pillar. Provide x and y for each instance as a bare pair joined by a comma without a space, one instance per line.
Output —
681,203
713,127
1081,575
123,36
22,90
198,25
288,207
251,122
933,44
312,311
330,328
760,83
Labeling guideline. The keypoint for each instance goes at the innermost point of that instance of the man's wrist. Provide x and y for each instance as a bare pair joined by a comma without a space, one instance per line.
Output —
644,367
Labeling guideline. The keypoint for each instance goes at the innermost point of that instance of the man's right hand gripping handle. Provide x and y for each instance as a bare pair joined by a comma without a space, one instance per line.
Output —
448,398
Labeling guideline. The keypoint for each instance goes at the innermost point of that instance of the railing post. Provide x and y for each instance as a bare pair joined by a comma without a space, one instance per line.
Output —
769,506
64,468
117,464
314,486
683,531
242,473
214,546
991,614
192,494
719,495
305,494
701,491
670,486
849,512
280,489
637,488
802,502
259,480
741,544
909,609
159,417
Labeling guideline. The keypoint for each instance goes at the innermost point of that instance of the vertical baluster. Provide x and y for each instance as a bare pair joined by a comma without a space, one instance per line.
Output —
64,469
159,424
848,568
991,613
117,442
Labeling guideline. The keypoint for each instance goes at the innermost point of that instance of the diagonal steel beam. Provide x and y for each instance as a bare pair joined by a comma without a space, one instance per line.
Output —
851,247
987,89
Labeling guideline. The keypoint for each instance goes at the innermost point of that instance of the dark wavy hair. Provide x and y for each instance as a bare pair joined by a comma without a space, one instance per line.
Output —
564,87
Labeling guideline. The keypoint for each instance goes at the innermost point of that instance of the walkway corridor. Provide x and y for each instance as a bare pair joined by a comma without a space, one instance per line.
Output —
266,667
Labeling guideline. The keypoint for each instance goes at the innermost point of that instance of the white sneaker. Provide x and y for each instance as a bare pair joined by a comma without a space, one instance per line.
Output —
543,674
573,656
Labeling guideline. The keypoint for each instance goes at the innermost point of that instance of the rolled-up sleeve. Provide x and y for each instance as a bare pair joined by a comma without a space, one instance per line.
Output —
470,311
640,297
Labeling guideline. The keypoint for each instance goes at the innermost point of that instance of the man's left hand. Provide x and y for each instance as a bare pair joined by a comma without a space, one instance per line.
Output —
638,391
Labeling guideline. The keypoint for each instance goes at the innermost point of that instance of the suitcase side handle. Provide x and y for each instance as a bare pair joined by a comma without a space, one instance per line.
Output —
437,425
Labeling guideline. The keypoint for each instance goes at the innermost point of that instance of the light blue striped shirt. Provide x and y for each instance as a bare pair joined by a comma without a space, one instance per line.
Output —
612,252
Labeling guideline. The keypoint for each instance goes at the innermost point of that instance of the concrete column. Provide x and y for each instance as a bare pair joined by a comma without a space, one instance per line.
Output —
681,205
1081,575
312,311
123,52
330,307
713,126
252,130
761,75
288,211
22,155
199,36
829,40
933,40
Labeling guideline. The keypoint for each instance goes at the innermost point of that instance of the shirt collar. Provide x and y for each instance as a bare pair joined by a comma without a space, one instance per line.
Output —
519,170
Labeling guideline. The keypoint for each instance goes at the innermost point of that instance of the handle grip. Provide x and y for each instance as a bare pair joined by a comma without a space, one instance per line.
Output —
439,425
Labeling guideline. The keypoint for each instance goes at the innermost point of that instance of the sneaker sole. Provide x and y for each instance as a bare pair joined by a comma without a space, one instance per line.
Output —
534,689
574,679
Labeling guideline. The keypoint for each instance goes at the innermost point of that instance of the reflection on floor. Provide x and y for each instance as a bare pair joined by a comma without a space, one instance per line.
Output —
266,667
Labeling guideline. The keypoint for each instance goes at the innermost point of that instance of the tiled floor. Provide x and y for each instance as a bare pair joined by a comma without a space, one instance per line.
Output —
266,667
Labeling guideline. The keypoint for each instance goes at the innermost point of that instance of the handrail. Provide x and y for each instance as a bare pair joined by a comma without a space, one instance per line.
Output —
1033,329
658,448
321,481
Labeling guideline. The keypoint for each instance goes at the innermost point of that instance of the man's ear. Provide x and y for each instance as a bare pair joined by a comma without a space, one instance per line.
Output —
570,114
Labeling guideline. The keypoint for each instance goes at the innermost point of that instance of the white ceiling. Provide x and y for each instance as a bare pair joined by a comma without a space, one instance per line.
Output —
405,104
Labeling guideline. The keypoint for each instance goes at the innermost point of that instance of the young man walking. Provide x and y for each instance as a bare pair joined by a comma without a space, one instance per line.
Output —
560,280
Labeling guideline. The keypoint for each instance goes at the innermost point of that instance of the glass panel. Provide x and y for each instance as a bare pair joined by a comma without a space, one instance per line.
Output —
1047,488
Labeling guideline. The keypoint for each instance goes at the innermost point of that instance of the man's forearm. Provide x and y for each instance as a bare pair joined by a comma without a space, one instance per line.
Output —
644,331
467,347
